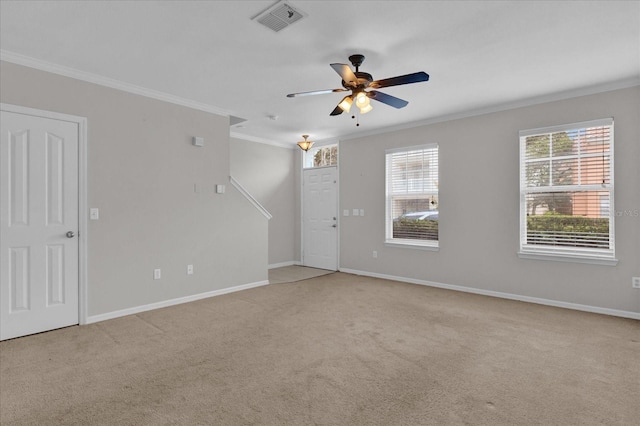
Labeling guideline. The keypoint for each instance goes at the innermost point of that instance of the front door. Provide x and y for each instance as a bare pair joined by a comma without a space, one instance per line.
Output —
319,218
39,224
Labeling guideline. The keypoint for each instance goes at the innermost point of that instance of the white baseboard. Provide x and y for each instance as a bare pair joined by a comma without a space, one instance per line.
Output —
283,264
540,301
137,309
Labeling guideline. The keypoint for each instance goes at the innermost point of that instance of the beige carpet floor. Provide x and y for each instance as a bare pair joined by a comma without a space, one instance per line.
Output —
333,350
293,273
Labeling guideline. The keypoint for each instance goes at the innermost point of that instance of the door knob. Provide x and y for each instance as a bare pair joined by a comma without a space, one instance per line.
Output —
70,234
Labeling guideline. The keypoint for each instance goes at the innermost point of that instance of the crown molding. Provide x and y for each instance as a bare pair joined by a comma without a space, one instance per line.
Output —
154,94
88,77
264,141
552,97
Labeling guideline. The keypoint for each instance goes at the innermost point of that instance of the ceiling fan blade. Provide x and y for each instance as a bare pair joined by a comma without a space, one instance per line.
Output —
347,75
316,92
336,111
416,77
387,99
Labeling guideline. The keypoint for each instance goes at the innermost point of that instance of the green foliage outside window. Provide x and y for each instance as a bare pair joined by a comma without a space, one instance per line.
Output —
425,229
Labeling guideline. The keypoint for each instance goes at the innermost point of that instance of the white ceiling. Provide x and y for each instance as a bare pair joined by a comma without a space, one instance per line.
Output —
480,55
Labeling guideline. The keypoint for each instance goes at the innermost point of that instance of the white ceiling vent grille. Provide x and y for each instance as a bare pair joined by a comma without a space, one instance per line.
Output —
279,16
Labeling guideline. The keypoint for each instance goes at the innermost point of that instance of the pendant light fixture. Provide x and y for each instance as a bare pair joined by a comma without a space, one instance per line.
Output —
305,144
362,102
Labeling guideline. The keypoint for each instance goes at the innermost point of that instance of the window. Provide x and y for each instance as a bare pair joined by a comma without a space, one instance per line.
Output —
412,196
566,192
321,156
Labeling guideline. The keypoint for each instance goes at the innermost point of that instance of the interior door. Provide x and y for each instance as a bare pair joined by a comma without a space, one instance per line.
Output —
39,224
319,218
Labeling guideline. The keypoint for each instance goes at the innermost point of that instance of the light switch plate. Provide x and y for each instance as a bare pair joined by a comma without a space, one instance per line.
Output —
345,212
94,213
198,141
361,212
355,212
219,189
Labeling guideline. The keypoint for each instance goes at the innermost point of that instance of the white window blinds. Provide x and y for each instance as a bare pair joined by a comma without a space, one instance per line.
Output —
412,195
566,190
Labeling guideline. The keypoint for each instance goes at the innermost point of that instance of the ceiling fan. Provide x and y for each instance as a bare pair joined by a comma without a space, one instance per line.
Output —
357,82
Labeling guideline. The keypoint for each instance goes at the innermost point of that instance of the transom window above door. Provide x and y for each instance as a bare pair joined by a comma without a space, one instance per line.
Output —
321,156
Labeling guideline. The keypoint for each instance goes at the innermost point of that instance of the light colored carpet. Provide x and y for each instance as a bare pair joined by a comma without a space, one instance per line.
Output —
334,350
290,274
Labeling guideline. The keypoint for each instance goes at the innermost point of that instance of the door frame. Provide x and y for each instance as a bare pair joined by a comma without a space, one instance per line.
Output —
302,194
82,196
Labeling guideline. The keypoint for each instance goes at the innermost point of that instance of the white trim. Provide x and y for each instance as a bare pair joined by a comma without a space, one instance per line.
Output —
557,257
419,244
83,256
422,147
554,97
600,256
30,62
284,264
104,81
250,198
565,127
501,295
263,141
83,211
390,154
172,302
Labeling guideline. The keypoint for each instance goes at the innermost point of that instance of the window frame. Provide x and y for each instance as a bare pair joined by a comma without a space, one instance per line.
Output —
560,253
308,156
430,245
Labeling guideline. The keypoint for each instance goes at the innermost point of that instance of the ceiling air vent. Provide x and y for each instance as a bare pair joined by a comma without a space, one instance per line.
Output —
279,16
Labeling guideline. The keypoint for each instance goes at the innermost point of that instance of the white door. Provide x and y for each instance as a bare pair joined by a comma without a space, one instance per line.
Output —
39,224
319,218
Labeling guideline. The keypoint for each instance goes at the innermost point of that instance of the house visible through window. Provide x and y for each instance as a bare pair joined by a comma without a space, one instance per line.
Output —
412,196
566,191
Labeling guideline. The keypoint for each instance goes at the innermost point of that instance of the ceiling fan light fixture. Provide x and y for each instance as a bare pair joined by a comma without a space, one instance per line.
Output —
366,109
362,100
305,145
346,103
358,82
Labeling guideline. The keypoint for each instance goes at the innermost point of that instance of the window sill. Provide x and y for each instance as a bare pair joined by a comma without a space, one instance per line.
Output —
565,258
411,245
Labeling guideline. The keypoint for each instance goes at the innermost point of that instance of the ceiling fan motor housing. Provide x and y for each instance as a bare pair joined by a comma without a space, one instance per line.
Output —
363,81
356,60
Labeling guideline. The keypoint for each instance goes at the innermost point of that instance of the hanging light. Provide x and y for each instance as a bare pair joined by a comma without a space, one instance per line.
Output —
362,102
361,99
305,144
346,103
366,109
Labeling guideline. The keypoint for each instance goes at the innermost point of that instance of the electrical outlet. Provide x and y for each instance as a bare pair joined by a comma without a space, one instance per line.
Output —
189,269
375,254
157,274
635,282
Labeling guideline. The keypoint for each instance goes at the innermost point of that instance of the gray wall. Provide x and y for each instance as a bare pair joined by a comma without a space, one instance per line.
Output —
269,173
479,206
142,169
